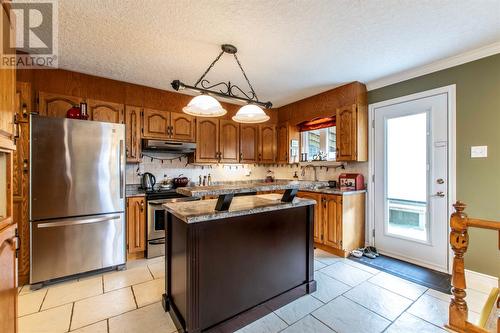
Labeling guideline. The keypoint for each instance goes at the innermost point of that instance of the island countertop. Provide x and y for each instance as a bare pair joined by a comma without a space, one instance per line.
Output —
204,210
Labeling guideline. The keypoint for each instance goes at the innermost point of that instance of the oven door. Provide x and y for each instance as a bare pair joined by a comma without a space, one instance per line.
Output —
156,220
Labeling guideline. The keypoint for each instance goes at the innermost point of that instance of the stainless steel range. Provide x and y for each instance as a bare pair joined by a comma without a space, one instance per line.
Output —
156,219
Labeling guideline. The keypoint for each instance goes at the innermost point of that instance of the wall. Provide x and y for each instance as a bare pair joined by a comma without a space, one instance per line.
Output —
230,172
478,123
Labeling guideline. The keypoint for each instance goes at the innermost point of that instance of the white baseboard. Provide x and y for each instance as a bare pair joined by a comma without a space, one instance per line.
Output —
480,282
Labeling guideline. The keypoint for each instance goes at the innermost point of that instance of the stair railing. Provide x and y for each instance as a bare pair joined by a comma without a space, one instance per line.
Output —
459,241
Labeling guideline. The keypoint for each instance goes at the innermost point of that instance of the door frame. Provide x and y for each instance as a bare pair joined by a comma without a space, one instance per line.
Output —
450,91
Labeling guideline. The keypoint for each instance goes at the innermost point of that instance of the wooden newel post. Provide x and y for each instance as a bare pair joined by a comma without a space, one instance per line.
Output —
459,240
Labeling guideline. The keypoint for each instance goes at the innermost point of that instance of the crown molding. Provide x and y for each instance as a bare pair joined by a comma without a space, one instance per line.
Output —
459,59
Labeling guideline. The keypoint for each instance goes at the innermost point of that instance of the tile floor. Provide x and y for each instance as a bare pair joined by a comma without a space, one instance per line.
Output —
350,298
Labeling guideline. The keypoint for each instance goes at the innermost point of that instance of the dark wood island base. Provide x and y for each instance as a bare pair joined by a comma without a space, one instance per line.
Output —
222,274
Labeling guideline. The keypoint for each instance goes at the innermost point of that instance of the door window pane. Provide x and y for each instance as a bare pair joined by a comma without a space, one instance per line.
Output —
406,196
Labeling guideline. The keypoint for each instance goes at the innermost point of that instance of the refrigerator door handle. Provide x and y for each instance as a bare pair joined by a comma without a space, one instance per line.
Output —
122,169
78,221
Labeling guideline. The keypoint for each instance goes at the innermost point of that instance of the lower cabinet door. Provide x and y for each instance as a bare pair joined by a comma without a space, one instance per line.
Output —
136,225
318,214
332,212
8,280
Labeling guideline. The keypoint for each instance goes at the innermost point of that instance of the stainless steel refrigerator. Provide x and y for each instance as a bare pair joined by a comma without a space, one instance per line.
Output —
77,197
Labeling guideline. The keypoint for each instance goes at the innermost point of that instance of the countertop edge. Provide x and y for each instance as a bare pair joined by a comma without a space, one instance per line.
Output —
207,217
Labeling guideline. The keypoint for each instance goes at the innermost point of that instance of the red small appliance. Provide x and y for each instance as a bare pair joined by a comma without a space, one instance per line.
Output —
351,181
74,112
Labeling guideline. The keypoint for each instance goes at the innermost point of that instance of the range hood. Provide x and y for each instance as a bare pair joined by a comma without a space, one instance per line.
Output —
168,146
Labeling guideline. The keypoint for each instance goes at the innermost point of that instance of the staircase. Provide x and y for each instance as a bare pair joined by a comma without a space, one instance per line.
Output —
459,240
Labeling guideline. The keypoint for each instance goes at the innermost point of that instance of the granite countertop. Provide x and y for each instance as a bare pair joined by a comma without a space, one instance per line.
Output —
200,191
204,210
134,191
260,186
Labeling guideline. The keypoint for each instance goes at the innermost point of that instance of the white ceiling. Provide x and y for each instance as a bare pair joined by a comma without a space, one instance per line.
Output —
289,49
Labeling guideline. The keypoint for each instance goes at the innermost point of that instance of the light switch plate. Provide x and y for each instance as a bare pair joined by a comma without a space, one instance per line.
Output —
479,151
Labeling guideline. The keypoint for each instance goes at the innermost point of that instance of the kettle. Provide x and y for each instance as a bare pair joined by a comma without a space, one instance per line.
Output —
148,181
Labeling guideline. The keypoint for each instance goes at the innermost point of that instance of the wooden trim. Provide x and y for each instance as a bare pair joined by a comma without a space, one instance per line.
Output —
483,224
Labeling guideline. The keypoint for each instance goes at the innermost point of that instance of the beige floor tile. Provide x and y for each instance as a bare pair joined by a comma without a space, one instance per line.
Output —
308,324
411,324
100,327
269,324
298,309
50,321
149,292
97,308
117,280
326,257
431,309
149,319
71,292
30,302
157,269
136,263
347,274
399,286
379,300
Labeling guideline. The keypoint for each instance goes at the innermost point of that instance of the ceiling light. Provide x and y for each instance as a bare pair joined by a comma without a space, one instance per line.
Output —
250,113
204,106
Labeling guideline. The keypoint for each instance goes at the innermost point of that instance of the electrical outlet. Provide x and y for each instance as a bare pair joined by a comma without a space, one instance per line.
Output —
479,151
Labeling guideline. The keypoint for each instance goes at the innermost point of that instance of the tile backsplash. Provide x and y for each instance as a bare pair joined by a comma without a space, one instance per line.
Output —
231,172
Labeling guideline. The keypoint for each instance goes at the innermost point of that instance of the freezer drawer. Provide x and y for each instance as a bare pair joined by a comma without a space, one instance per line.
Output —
63,247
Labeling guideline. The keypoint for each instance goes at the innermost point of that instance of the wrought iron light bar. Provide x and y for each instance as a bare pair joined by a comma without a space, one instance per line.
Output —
226,90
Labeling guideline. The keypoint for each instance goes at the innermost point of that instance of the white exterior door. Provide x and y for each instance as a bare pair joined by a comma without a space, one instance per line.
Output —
411,180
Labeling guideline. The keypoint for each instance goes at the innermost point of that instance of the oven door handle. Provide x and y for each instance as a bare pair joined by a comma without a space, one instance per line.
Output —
155,203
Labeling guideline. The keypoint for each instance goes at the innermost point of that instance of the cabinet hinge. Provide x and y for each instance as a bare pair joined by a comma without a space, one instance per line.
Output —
373,178
321,237
373,123
373,233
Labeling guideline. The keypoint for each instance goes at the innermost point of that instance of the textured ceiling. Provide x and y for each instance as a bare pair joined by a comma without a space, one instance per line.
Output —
289,49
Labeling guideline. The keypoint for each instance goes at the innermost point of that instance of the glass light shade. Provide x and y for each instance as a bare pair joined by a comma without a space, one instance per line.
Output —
204,106
250,114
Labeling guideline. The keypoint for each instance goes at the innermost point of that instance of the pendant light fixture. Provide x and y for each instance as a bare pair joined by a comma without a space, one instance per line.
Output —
205,105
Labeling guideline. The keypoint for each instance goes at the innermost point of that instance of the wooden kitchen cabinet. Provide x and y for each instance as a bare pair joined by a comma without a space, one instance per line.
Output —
318,214
20,180
155,124
267,143
165,125
332,217
339,223
352,133
285,134
207,140
182,127
133,133
136,227
249,143
229,141
56,105
106,111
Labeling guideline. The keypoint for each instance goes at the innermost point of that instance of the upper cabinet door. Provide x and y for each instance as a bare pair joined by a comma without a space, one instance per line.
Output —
182,127
229,144
249,143
7,81
56,105
207,140
267,144
282,153
106,111
156,124
133,133
346,133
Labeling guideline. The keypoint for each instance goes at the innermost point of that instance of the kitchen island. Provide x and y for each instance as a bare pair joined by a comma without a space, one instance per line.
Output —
225,269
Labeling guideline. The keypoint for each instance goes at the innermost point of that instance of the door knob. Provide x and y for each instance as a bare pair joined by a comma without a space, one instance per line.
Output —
440,181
